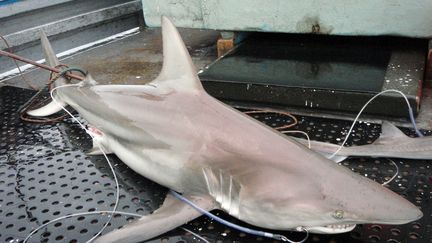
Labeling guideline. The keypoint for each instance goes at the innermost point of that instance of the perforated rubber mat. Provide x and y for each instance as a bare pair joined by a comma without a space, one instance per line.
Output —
45,173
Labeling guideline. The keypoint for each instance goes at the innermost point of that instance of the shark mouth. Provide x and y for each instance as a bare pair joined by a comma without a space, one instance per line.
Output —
331,228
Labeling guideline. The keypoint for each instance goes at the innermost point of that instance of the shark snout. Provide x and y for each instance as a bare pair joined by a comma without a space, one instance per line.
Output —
370,202
407,214
390,208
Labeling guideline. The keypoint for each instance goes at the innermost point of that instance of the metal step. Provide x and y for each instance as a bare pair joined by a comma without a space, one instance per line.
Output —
68,25
50,14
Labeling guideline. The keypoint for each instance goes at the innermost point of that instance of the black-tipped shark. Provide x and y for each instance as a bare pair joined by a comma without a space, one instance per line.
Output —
172,132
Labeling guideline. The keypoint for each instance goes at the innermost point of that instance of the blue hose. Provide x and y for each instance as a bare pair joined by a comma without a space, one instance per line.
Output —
232,225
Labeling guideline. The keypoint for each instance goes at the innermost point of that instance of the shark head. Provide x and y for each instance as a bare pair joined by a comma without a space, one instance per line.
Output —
311,192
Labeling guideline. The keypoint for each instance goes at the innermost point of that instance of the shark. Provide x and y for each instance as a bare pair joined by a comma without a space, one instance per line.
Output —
392,143
173,132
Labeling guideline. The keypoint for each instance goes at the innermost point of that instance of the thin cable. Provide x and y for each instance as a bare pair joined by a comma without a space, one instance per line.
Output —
277,112
76,215
411,115
304,133
106,157
235,226
102,212
104,154
394,176
30,104
217,59
195,234
18,67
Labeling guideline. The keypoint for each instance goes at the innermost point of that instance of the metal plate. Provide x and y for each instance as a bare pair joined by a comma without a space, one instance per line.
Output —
45,173
311,62
321,72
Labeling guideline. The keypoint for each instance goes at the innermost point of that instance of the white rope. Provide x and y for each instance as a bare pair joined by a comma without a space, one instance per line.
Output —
195,234
304,133
394,176
110,212
364,107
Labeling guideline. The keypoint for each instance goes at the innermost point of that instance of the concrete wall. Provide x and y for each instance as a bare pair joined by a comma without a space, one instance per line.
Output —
339,17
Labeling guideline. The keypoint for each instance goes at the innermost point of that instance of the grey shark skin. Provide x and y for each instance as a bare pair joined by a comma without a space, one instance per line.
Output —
392,143
172,132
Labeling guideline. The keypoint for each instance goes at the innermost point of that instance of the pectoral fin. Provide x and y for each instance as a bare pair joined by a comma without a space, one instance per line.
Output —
99,142
170,215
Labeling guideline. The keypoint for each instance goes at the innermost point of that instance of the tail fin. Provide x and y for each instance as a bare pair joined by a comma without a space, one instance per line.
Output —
52,60
50,56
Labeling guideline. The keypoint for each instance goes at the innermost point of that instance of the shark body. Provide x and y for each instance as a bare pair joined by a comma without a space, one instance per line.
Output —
392,143
172,132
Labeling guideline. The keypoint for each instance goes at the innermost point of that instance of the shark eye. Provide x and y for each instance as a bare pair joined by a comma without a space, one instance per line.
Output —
338,214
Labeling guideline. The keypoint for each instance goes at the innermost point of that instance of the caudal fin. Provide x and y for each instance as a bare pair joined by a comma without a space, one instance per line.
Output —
52,60
47,110
50,56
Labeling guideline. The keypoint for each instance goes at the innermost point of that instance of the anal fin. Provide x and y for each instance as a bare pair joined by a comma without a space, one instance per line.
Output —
172,214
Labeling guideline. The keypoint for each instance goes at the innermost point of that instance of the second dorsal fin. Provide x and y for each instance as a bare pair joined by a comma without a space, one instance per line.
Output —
389,133
178,71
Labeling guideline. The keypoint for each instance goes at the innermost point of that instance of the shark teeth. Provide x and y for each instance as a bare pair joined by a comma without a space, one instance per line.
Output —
330,229
339,226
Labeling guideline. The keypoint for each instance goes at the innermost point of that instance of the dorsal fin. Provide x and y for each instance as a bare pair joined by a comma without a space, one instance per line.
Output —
389,130
388,133
178,71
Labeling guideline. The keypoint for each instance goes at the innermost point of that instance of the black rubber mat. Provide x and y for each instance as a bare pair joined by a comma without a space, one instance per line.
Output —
45,173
